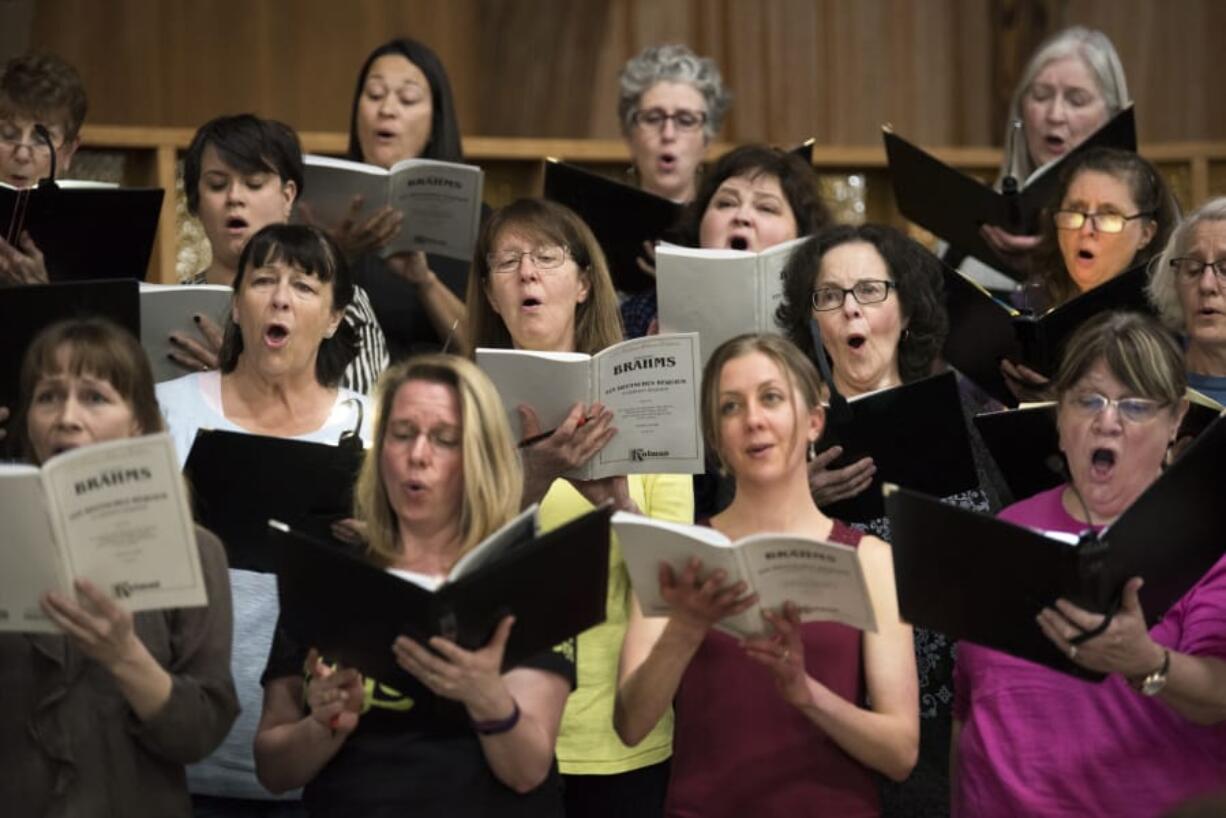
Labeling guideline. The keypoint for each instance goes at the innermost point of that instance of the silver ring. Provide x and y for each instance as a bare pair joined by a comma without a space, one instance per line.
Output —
1072,651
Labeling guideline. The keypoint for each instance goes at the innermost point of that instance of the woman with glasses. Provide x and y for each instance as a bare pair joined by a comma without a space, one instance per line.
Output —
1112,212
1072,85
671,104
541,284
1187,287
878,300
37,89
1033,741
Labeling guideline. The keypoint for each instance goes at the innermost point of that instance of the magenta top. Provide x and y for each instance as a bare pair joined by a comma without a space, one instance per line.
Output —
739,749
1037,742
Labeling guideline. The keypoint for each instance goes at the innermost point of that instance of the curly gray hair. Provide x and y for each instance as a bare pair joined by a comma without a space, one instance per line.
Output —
672,63
1163,288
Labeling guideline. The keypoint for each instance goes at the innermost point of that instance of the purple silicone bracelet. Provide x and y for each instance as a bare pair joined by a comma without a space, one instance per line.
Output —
495,726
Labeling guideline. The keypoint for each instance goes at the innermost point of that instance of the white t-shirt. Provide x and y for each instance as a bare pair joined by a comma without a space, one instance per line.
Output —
193,402
189,404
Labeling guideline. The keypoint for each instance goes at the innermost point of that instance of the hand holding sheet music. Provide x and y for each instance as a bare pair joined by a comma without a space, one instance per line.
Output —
21,262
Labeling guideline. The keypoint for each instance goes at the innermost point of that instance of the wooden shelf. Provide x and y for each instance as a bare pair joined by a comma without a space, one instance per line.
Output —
514,168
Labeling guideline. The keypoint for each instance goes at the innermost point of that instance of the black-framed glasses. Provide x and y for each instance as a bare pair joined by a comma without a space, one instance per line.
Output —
1133,410
1193,268
1103,222
543,258
867,291
684,119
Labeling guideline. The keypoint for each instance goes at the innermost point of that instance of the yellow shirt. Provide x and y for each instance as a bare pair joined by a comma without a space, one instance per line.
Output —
587,743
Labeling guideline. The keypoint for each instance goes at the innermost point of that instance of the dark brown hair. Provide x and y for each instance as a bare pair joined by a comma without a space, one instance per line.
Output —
42,86
796,179
314,252
1148,190
916,272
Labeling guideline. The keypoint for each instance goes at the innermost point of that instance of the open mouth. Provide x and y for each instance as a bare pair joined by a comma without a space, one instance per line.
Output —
385,133
236,223
667,161
276,335
738,243
415,487
1054,143
1102,461
530,303
856,341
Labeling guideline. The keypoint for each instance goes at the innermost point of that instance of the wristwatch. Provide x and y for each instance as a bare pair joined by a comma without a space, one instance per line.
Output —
1153,683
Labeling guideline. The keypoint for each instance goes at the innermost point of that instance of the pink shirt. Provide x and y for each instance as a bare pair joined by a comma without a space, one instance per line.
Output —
1036,742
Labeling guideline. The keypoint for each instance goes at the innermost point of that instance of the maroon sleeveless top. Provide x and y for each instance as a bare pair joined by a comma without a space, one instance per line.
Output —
739,749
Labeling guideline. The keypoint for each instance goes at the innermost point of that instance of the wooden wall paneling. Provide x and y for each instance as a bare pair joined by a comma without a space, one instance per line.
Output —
744,69
974,121
793,70
546,54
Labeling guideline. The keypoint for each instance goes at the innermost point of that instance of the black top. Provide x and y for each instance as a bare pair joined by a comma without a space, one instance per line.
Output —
414,753
404,320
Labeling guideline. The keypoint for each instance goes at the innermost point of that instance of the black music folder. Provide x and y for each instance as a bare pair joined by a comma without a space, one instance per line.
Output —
1026,446
805,150
917,436
983,330
26,310
239,481
85,233
622,217
974,577
952,205
555,584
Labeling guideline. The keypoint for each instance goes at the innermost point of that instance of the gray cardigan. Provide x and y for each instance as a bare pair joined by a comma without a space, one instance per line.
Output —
69,743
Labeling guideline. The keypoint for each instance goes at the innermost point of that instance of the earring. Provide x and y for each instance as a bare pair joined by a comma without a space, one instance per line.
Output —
811,452
906,333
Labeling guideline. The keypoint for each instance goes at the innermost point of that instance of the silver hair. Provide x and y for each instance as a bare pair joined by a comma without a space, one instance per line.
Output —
1163,288
1096,51
672,63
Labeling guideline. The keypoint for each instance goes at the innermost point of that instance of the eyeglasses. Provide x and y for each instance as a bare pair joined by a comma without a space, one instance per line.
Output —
543,258
1133,410
1193,268
868,291
1103,222
656,117
12,138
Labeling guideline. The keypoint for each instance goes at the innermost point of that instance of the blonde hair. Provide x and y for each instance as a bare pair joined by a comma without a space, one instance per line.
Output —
798,372
1094,49
493,478
598,322
1163,289
1139,353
